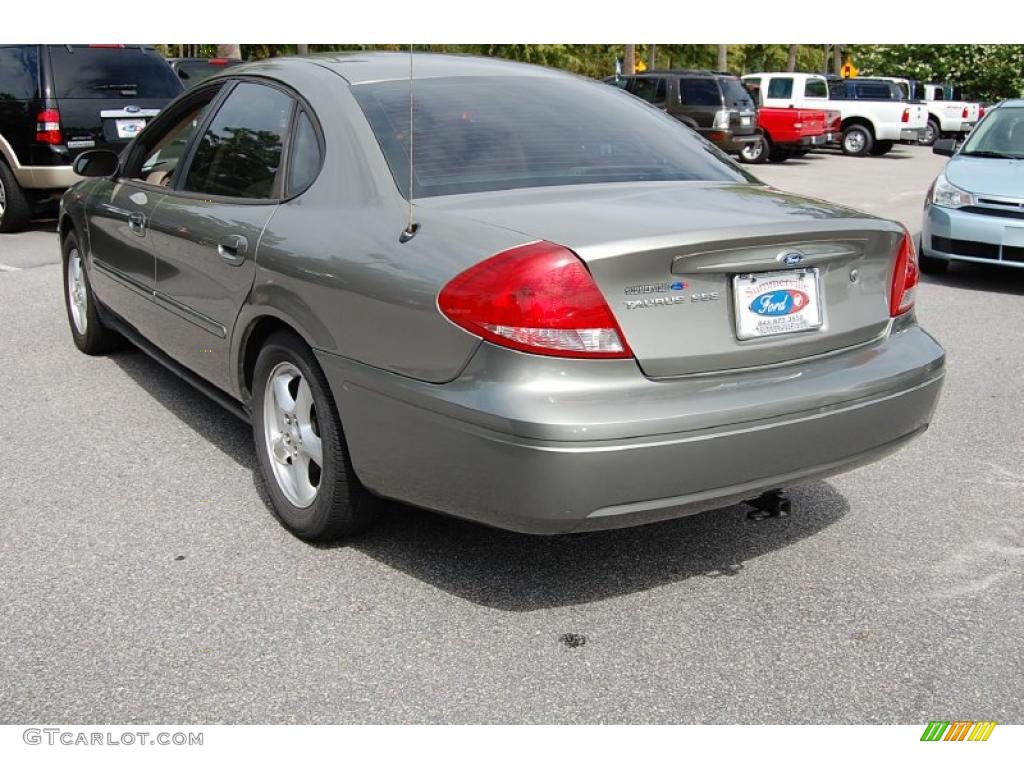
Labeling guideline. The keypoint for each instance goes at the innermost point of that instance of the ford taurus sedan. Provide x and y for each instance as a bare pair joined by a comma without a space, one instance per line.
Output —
974,210
540,303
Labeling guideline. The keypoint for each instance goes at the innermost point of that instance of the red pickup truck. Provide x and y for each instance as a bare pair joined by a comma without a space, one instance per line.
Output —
788,132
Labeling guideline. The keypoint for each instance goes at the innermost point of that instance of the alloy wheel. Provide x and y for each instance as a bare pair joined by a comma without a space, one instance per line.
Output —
78,298
3,199
753,150
854,141
292,434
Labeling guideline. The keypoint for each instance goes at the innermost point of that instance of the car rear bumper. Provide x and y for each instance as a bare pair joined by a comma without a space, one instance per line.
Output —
962,235
553,446
731,142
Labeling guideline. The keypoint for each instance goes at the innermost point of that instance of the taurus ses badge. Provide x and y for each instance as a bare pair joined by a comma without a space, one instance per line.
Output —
790,258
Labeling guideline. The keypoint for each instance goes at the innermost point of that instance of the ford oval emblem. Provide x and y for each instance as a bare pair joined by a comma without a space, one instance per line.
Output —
785,301
132,108
790,258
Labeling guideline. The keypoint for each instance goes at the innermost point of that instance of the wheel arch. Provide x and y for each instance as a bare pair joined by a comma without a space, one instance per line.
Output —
861,121
256,328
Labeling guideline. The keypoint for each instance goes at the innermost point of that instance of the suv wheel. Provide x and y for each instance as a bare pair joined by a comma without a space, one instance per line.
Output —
857,141
15,210
301,446
87,329
755,152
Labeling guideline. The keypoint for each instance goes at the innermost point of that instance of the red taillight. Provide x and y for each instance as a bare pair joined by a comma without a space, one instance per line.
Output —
217,62
48,127
904,277
536,298
981,112
906,116
964,113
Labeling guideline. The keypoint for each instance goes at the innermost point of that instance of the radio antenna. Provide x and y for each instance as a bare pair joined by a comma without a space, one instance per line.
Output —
411,227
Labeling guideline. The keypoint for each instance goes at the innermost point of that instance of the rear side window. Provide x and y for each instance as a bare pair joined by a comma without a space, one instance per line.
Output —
735,94
780,88
699,92
19,68
478,134
240,152
304,163
876,91
649,89
815,89
84,72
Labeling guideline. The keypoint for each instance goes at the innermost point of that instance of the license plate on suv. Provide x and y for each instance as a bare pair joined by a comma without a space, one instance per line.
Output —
773,303
128,129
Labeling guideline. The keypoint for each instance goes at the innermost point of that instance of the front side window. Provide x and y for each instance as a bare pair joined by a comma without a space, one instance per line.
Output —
164,151
240,152
815,89
780,88
19,65
479,134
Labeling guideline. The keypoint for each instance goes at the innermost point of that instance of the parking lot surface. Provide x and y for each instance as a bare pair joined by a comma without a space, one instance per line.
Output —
143,579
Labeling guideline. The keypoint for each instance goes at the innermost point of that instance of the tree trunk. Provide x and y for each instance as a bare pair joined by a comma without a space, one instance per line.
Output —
723,58
837,58
303,49
629,61
652,56
791,61
229,51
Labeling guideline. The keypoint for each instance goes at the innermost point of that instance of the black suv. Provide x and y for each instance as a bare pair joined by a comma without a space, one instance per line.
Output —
715,104
59,100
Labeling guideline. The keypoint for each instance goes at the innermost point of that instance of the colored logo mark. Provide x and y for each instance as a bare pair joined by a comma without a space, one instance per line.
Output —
780,302
958,730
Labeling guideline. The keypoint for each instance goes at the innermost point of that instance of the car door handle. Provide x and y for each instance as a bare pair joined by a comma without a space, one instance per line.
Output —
232,249
137,223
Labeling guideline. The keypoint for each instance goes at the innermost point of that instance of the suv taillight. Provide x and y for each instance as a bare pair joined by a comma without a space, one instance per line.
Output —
904,277
721,121
536,298
48,127
906,116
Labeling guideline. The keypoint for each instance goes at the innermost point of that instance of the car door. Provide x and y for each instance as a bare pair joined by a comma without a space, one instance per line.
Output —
120,212
207,228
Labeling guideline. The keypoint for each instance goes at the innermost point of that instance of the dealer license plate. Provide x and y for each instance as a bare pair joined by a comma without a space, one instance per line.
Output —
772,303
128,129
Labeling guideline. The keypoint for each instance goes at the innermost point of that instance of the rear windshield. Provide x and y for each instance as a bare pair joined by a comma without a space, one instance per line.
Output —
83,72
191,72
735,94
477,134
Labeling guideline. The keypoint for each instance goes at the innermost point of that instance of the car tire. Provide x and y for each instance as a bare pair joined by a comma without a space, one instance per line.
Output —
756,152
880,148
301,446
856,141
932,133
89,333
15,209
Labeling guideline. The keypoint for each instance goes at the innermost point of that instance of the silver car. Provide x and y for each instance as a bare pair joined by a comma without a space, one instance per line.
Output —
541,304
974,210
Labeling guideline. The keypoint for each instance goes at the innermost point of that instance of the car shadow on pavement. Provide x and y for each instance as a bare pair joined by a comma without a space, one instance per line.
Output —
515,572
991,278
511,571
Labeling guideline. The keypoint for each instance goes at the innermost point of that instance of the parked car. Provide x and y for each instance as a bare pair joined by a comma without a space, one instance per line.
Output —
948,116
973,210
787,132
193,71
874,117
573,314
715,104
58,100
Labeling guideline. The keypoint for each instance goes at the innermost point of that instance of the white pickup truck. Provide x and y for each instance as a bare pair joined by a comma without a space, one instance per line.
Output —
874,113
948,117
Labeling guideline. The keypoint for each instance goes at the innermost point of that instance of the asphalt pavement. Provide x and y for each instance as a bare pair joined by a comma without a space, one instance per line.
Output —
143,580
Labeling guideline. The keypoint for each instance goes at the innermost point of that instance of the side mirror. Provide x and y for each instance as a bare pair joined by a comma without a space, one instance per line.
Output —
96,163
945,147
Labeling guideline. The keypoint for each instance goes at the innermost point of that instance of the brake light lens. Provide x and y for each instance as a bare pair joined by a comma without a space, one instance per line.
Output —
904,277
48,127
906,116
537,298
217,62
965,113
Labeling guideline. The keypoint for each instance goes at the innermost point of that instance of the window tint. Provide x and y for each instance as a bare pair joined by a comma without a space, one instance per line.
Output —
876,91
82,72
649,89
164,151
240,152
19,65
699,92
780,88
815,89
476,134
735,94
304,163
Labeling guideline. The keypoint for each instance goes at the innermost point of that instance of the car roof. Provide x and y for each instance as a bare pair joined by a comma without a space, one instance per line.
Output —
359,67
1011,103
